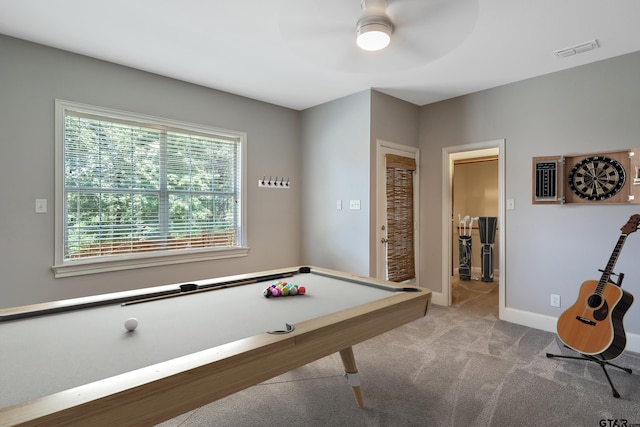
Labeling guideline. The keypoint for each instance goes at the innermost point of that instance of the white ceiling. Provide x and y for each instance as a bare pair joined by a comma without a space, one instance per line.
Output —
301,53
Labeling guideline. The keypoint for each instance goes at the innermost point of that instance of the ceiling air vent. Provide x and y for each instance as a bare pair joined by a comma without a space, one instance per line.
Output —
579,48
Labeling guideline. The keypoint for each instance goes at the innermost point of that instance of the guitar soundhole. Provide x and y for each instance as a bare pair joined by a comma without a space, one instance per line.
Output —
594,301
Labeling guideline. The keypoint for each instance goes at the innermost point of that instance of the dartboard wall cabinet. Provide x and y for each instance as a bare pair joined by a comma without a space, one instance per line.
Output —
597,178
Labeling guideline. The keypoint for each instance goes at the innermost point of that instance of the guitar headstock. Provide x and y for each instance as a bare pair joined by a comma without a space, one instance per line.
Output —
631,225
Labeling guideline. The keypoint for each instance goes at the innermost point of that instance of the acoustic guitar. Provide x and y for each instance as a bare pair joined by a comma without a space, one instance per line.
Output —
593,325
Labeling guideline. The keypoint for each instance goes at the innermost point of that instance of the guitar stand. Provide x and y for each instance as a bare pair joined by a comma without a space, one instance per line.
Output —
603,363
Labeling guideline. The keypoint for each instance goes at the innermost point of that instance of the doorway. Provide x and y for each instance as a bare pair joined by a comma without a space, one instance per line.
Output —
390,264
469,152
474,272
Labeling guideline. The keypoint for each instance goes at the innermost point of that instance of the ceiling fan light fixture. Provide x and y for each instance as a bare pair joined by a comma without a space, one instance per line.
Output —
373,32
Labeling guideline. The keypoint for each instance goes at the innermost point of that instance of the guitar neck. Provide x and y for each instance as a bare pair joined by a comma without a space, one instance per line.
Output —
606,275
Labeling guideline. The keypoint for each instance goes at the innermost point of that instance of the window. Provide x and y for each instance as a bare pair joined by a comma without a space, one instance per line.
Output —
135,191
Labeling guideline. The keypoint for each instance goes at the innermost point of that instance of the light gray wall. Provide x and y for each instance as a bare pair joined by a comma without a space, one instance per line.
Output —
327,153
335,166
33,76
392,120
549,249
339,163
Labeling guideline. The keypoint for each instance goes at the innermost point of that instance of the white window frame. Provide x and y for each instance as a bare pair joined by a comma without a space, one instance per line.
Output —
76,267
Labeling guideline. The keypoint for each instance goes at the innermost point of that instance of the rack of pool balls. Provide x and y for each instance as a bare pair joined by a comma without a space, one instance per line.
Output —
283,289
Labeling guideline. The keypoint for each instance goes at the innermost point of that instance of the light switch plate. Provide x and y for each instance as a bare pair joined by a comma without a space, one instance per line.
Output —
41,205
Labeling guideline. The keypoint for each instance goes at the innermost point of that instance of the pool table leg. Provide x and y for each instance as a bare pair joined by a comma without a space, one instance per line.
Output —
351,372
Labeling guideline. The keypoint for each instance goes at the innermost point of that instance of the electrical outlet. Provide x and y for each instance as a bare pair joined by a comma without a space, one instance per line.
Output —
354,205
555,300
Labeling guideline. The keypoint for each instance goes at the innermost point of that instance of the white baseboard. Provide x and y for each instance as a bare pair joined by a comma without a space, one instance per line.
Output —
437,298
633,342
532,320
537,321
548,323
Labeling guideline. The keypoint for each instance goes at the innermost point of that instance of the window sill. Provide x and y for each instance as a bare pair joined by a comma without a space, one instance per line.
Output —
129,262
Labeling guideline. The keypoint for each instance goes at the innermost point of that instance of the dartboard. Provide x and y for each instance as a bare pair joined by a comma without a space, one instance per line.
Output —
596,178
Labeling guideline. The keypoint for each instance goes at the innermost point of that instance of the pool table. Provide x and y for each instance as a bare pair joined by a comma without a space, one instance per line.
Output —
74,362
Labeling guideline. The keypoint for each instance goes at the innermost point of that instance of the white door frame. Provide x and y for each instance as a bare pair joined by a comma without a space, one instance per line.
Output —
382,149
468,151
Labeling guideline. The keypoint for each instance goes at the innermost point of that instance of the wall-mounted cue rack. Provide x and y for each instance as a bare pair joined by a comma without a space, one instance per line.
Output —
597,178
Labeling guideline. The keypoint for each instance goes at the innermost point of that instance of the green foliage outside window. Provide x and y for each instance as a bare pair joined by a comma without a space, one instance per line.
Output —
131,188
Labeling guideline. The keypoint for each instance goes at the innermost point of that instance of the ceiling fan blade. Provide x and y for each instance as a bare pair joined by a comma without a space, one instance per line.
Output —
374,6
324,33
426,30
432,13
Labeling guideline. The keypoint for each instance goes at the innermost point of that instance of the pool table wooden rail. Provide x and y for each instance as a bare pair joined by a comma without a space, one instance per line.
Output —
159,392
143,295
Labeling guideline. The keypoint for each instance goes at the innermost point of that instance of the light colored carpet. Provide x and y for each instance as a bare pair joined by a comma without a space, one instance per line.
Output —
458,366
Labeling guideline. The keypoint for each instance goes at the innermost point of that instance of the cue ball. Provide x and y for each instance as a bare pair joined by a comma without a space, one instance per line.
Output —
131,324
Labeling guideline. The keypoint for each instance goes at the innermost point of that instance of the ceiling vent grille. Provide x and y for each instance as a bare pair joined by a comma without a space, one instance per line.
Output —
574,50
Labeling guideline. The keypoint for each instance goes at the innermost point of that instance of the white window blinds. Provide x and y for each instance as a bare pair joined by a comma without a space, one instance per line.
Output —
134,187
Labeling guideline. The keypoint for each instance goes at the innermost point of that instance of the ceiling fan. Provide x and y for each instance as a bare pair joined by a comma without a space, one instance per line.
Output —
374,28
420,31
